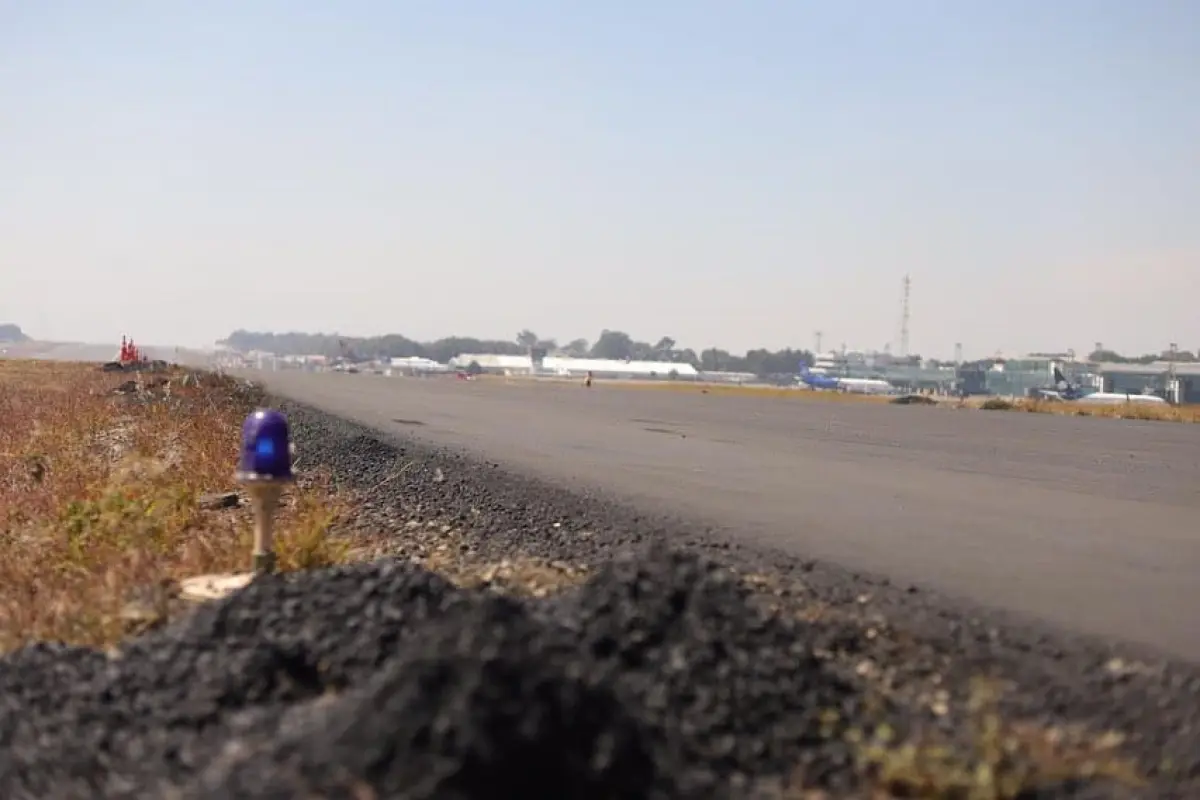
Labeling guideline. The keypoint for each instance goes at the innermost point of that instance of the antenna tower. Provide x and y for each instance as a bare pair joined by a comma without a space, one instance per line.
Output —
904,317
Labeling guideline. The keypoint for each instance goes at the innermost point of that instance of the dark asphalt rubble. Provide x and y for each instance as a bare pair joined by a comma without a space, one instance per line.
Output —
656,678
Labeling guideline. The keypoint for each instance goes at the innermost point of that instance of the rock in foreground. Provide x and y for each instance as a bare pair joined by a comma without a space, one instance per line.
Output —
657,678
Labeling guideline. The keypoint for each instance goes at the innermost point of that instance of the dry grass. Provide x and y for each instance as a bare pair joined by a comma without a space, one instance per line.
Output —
695,387
1003,760
1187,413
100,497
1142,411
783,392
989,756
439,545
528,577
983,754
1006,760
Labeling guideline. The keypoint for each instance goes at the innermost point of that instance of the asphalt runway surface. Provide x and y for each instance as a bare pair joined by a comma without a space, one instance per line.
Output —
77,351
1086,524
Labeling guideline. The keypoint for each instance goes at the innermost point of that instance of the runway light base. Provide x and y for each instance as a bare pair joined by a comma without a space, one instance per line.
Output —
218,586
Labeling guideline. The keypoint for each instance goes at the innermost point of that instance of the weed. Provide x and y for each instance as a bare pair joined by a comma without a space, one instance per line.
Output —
1005,761
99,490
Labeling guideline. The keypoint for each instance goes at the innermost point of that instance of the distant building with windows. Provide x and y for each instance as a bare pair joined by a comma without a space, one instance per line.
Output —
1178,382
1020,377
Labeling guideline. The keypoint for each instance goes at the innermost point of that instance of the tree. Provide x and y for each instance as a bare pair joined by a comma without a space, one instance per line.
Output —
576,348
614,345
1103,355
12,333
474,369
390,346
716,360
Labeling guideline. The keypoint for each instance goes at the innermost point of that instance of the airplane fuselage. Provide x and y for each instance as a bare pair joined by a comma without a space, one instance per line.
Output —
1114,398
864,385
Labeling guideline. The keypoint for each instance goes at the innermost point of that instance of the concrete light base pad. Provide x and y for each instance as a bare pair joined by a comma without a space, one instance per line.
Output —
204,588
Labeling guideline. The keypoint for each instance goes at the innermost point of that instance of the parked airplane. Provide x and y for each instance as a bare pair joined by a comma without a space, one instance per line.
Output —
415,365
1065,390
815,381
865,385
1068,390
1114,398
856,385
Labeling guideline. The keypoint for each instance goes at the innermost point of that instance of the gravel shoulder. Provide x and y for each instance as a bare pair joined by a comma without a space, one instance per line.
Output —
924,652
513,637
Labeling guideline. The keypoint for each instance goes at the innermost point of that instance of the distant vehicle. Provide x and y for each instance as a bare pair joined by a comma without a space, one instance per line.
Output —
1065,390
854,385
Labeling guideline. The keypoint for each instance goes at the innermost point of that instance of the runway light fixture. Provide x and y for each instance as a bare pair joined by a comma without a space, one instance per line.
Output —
264,468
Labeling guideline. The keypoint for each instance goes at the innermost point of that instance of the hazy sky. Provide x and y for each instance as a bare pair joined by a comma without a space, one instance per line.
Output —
737,173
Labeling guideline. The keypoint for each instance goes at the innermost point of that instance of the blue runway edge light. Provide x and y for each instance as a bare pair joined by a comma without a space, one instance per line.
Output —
266,447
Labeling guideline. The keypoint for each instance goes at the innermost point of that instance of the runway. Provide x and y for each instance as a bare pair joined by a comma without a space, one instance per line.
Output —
1088,524
75,351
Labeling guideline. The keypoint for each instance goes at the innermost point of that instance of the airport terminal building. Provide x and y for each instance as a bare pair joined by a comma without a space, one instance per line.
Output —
910,375
1020,377
1173,381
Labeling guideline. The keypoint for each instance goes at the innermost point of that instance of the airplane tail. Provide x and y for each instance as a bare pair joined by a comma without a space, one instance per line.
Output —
1068,390
1062,384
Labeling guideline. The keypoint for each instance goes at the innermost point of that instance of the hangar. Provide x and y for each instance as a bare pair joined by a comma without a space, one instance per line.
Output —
1020,377
495,364
613,368
1177,382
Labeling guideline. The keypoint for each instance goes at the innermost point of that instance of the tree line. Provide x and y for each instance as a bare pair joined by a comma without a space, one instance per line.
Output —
1103,355
610,344
12,333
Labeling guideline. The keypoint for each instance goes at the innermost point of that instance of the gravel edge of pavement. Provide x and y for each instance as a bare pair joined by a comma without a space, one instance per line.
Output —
259,694
925,650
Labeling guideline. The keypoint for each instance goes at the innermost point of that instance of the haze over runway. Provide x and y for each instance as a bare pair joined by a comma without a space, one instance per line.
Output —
79,351
1088,524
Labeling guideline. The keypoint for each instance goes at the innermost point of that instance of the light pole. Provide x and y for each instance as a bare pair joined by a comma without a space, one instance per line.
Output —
1172,381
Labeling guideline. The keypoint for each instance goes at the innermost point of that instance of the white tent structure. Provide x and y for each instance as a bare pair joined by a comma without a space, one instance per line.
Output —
577,367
